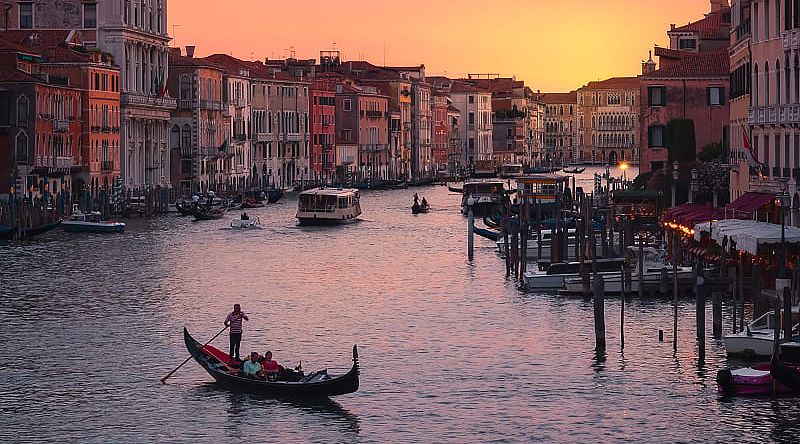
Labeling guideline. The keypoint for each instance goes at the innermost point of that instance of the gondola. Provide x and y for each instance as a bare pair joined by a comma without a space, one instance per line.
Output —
486,233
8,232
453,189
274,195
184,208
575,170
419,209
314,385
201,213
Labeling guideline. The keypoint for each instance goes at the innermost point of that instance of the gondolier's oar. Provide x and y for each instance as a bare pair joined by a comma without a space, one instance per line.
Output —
164,379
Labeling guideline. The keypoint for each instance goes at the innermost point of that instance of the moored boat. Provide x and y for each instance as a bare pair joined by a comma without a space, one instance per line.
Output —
328,206
244,224
91,222
201,212
554,276
574,170
757,339
485,195
318,384
9,232
274,195
486,233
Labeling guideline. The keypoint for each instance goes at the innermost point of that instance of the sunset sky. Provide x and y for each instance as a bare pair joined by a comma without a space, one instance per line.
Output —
552,45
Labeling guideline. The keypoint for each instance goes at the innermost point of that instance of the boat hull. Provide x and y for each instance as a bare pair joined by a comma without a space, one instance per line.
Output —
339,385
758,344
612,281
7,233
93,227
750,381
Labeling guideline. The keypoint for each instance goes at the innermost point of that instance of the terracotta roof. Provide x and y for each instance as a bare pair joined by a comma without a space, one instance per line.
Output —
257,70
462,87
711,26
615,83
552,98
179,60
692,65
17,76
8,45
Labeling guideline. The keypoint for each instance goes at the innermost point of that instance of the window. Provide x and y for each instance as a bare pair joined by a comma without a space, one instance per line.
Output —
175,137
716,95
471,118
22,147
90,15
687,44
26,15
186,137
656,95
22,111
509,132
346,105
471,99
186,88
655,136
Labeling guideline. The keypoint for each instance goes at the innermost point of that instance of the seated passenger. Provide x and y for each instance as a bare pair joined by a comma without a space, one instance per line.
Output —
269,367
251,367
245,216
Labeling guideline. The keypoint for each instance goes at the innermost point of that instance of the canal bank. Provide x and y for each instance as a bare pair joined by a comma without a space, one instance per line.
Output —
450,351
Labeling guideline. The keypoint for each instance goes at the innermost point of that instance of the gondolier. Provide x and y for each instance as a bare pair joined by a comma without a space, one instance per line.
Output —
234,321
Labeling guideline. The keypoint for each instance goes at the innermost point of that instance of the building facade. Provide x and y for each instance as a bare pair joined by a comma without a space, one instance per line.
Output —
561,110
608,121
322,115
741,69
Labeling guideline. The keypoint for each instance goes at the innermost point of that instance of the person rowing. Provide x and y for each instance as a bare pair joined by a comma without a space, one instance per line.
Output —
234,321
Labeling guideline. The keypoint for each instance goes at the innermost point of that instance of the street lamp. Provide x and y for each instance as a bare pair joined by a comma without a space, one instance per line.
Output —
675,177
693,185
782,201
624,167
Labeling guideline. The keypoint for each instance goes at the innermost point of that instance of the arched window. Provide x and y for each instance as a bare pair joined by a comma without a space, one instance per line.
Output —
797,78
175,137
777,82
766,83
755,85
186,87
787,79
22,147
22,110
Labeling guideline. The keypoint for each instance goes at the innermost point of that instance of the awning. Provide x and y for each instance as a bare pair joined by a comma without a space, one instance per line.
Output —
748,234
748,203
690,214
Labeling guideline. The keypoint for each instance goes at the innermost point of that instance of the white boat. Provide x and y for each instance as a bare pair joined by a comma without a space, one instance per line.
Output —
756,341
553,277
328,206
486,195
91,222
244,224
511,170
653,264
533,245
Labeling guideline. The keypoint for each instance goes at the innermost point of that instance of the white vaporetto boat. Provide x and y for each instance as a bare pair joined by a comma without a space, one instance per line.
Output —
321,206
90,222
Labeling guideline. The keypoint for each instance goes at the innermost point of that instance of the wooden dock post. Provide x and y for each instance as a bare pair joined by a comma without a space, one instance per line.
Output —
506,245
599,313
539,230
622,282
470,235
716,312
640,265
700,314
674,293
604,240
787,312
515,250
758,301
524,230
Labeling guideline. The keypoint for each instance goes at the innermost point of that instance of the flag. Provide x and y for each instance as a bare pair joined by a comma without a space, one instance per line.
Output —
752,156
162,85
224,146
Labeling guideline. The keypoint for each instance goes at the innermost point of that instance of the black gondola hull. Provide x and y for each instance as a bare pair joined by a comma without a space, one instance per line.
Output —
338,385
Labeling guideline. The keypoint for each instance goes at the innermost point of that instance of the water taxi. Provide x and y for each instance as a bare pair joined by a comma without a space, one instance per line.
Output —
485,195
328,206
90,222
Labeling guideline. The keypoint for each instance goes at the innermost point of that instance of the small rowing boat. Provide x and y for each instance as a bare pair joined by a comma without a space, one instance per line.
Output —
298,385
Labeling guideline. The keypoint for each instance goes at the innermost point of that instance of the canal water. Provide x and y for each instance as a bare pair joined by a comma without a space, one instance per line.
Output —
450,351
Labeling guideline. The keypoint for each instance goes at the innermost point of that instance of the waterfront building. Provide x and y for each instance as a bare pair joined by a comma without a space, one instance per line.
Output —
441,130
200,159
687,85
135,33
362,121
691,81
455,154
421,120
475,126
94,73
322,126
42,117
561,110
398,88
608,121
741,71
767,36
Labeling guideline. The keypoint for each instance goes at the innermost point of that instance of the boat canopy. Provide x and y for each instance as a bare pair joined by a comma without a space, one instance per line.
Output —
748,234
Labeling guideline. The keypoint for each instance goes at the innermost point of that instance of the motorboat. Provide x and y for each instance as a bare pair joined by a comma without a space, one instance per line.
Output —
653,267
574,170
245,222
328,206
90,222
511,170
553,277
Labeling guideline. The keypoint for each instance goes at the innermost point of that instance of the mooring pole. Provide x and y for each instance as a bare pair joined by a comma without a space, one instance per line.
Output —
599,313
471,234
700,314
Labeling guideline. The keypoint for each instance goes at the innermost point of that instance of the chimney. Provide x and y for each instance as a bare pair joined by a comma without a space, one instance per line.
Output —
718,5
190,51
649,66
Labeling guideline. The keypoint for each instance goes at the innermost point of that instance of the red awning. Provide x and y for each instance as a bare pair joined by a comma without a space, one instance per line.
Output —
750,202
690,214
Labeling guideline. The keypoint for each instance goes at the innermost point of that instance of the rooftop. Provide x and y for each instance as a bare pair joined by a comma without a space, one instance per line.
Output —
614,83
712,26
554,98
686,64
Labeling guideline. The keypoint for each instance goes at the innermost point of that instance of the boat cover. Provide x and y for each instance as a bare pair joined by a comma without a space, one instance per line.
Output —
748,234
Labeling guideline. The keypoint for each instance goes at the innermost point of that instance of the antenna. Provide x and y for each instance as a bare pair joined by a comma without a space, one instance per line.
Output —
384,53
174,34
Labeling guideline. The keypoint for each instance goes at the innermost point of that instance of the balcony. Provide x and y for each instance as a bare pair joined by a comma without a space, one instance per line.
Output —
209,151
60,125
106,129
791,39
743,31
373,147
186,103
211,105
240,137
107,166
55,162
294,137
774,115
134,99
374,114
327,147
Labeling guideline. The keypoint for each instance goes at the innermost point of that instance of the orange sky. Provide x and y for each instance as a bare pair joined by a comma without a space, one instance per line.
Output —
553,45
